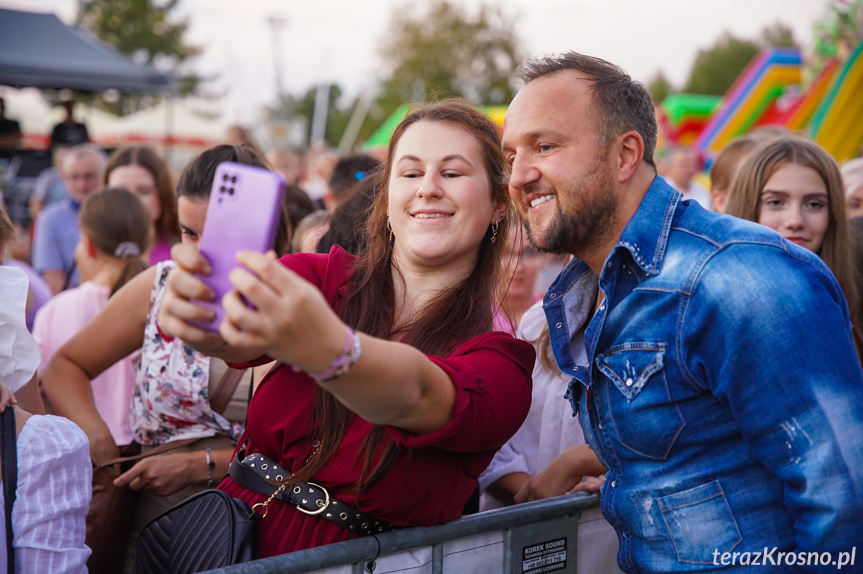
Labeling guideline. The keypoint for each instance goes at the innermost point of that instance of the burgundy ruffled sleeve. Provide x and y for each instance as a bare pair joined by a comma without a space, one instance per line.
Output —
492,376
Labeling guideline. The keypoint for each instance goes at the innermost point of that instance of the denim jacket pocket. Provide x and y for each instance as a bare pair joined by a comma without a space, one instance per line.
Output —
647,421
700,523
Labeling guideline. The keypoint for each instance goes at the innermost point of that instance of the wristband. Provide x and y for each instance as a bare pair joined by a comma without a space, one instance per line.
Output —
341,364
211,464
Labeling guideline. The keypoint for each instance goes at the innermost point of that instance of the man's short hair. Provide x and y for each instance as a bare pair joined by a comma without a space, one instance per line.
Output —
82,150
620,104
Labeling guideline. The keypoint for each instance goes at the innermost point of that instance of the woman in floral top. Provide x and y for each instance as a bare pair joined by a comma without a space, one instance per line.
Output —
173,382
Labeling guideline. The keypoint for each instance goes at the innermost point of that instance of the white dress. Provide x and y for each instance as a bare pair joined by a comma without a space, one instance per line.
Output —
52,498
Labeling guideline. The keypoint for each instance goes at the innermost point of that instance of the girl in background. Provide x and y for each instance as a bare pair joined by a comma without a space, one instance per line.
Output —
792,185
140,170
115,228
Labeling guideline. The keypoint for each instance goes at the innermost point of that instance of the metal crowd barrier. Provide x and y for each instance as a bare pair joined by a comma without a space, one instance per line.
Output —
564,535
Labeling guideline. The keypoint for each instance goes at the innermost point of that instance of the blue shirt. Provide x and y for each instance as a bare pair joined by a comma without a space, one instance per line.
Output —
723,392
54,239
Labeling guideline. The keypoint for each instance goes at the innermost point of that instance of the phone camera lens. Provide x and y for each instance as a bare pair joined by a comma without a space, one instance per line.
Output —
234,179
231,191
225,177
222,189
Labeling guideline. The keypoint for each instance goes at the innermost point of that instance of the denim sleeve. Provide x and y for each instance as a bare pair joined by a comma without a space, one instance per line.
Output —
781,358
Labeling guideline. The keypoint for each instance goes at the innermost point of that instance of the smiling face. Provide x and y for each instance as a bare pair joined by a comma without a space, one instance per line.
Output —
139,181
562,180
440,203
794,202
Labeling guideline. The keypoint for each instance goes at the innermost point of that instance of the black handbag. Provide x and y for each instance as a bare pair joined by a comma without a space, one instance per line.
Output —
10,477
208,530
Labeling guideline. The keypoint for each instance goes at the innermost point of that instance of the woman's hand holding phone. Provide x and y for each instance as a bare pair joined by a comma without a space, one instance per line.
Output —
291,321
178,310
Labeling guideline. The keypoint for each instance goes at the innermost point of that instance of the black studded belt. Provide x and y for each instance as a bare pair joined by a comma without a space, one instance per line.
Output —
259,473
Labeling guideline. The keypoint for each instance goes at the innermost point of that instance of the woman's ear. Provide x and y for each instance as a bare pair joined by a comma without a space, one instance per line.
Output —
499,212
89,247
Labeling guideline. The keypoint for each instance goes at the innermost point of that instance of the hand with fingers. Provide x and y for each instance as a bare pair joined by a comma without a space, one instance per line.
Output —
289,318
6,397
589,484
164,474
178,309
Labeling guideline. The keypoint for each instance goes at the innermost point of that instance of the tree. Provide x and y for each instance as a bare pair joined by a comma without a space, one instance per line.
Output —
716,68
659,87
149,33
444,51
778,35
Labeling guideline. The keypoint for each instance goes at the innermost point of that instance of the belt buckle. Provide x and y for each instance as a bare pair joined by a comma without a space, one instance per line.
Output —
323,506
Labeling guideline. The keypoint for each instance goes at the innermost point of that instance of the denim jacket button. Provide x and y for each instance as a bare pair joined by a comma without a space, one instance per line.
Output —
558,325
629,382
552,295
613,484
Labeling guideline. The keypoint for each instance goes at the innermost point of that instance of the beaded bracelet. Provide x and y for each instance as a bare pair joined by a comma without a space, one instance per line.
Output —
344,361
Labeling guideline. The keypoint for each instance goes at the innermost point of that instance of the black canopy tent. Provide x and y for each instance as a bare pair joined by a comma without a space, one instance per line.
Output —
40,51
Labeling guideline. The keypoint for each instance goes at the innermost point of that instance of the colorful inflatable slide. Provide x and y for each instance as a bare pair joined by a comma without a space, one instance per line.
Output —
838,123
761,83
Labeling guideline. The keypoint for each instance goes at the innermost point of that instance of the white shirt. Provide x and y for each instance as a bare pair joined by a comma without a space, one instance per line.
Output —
52,498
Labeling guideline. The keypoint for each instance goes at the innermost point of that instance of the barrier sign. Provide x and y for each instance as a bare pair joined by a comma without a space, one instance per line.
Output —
544,557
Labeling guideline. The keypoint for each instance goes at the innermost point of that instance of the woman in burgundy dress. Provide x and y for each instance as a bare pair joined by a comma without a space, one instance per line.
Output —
391,393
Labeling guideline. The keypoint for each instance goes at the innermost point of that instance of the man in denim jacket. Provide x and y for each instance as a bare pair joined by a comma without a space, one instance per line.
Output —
722,389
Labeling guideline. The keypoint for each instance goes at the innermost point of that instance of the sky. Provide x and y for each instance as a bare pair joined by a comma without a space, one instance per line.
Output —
339,40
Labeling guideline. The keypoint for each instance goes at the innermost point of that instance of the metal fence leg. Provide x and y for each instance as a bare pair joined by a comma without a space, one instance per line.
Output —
437,559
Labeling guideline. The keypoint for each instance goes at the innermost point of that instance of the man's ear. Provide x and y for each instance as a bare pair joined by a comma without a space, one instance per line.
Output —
630,151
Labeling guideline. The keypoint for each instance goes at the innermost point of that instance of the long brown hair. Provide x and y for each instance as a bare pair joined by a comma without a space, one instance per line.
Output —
453,316
146,157
744,201
118,224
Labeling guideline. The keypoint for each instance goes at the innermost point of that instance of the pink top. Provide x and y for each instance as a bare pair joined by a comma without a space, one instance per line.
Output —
434,474
60,319
161,251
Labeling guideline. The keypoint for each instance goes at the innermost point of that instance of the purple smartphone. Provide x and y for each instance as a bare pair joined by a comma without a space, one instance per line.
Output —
243,213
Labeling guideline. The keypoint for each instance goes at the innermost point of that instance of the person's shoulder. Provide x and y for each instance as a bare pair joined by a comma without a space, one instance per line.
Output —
325,268
753,273
532,322
57,210
57,436
499,342
719,229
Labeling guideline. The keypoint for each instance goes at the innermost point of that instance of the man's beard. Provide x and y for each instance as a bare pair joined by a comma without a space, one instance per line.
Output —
590,221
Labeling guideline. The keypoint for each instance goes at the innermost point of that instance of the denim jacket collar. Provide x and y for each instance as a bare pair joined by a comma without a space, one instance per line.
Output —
646,234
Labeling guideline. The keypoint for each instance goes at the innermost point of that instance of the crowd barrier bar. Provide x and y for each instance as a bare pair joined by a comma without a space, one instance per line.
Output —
531,538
